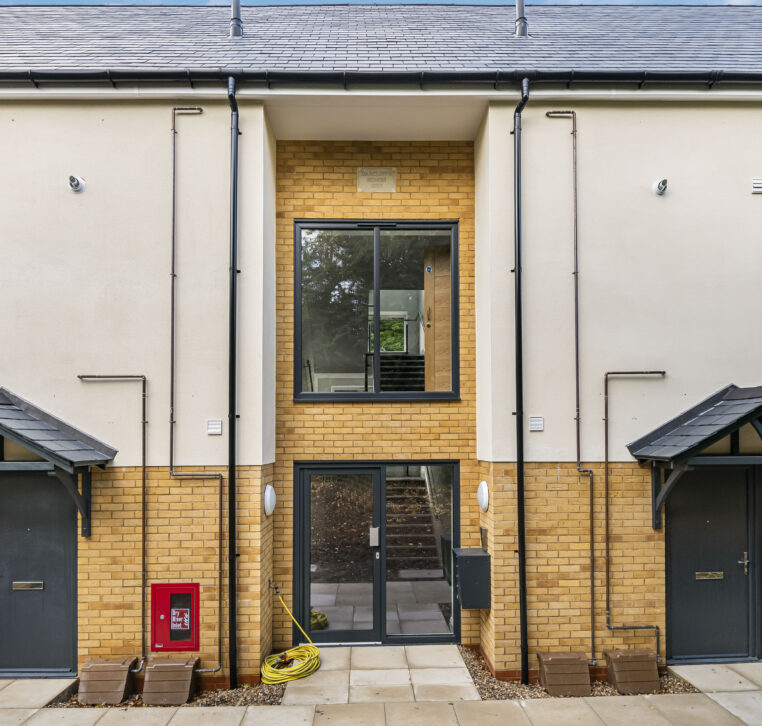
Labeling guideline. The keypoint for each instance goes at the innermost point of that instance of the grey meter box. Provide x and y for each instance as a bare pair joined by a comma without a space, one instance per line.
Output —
472,577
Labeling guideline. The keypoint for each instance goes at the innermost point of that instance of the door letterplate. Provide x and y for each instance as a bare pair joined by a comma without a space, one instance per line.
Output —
710,575
34,585
373,540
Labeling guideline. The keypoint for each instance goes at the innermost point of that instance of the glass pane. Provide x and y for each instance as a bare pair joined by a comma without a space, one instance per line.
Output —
341,559
416,320
337,303
419,592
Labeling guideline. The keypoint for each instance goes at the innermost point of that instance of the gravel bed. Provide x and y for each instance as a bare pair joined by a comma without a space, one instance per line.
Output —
492,689
259,694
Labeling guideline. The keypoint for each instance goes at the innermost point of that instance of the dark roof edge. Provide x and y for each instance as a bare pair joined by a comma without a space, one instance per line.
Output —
57,423
416,78
682,418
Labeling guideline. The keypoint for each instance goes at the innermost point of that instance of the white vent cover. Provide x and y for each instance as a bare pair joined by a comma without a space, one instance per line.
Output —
214,427
756,186
536,423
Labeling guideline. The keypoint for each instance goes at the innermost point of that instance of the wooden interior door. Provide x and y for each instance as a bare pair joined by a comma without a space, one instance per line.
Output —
438,318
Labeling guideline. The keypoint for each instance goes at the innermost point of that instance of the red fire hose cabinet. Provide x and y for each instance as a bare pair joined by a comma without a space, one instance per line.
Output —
174,616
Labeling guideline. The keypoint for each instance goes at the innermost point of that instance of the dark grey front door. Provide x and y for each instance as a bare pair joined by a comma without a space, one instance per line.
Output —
37,576
709,533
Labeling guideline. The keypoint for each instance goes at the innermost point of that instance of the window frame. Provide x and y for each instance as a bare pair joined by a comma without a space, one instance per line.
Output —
452,225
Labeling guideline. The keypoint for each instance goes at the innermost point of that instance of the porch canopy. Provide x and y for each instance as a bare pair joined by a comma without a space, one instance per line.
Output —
677,445
66,452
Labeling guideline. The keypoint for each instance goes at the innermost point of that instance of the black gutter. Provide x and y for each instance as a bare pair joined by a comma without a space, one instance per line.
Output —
495,79
520,380
232,372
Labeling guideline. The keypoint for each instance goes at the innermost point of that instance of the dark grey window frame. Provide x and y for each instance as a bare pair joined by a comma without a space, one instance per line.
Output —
377,226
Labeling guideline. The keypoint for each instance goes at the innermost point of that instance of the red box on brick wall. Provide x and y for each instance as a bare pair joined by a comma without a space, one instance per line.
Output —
174,616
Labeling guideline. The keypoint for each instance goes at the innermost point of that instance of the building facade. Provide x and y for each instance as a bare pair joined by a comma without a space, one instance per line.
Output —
374,326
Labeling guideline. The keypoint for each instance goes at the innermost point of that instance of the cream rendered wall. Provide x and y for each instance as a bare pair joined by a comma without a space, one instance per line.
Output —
84,284
668,282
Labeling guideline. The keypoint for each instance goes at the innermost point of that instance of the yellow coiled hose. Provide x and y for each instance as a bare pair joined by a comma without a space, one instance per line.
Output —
298,662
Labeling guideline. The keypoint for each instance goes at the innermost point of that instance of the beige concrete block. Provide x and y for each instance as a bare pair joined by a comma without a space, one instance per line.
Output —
335,659
712,677
750,671
490,713
746,705
420,714
691,709
436,692
555,711
434,656
351,714
5,682
15,716
150,716
217,715
388,677
373,658
280,715
626,711
33,692
380,694
440,676
65,717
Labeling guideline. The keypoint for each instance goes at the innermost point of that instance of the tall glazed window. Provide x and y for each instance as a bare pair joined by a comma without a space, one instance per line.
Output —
376,310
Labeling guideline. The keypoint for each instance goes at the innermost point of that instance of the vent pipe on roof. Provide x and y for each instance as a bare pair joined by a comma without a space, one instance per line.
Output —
236,26
521,21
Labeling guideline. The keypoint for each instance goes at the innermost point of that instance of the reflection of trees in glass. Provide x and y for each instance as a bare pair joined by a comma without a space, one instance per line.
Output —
337,280
392,335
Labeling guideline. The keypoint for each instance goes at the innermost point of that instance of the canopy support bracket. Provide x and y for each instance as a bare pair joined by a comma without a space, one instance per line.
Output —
82,501
659,494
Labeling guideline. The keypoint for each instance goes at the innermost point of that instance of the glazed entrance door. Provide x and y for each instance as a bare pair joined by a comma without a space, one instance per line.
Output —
341,543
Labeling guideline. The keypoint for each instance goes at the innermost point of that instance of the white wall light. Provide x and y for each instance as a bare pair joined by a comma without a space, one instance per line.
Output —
659,187
77,184
270,499
482,495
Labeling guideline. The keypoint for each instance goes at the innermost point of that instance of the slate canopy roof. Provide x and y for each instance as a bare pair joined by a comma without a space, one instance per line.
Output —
702,425
48,436
718,40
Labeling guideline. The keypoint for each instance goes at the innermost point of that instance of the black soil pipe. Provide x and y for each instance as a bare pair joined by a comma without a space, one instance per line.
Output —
520,379
232,354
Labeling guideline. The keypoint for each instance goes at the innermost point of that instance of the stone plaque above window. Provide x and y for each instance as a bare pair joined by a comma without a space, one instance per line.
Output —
376,179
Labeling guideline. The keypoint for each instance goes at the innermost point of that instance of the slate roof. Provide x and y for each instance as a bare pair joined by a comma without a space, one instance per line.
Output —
48,436
382,38
700,426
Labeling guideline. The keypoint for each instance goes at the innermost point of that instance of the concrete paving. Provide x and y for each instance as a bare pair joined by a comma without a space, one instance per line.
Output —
692,709
714,677
747,706
33,692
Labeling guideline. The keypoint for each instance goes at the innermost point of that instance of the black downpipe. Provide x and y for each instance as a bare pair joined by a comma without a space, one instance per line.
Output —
232,354
520,380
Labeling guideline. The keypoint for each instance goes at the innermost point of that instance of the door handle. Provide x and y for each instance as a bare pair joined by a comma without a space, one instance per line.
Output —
373,539
745,562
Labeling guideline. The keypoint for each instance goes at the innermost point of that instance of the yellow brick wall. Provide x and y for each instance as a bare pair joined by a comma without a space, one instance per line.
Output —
435,180
558,561
182,546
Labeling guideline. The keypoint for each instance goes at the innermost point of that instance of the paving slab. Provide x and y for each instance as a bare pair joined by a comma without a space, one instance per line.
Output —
424,627
15,716
746,705
352,714
626,711
419,612
321,687
556,711
279,716
33,692
438,692
380,694
712,677
750,671
434,656
491,713
5,682
66,717
217,715
691,709
386,677
420,714
440,676
334,659
149,716
320,678
375,658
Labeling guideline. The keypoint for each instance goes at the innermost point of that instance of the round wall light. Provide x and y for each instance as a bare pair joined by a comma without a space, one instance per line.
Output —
270,499
482,495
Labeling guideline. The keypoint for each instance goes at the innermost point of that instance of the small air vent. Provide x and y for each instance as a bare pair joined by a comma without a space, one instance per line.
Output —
756,186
